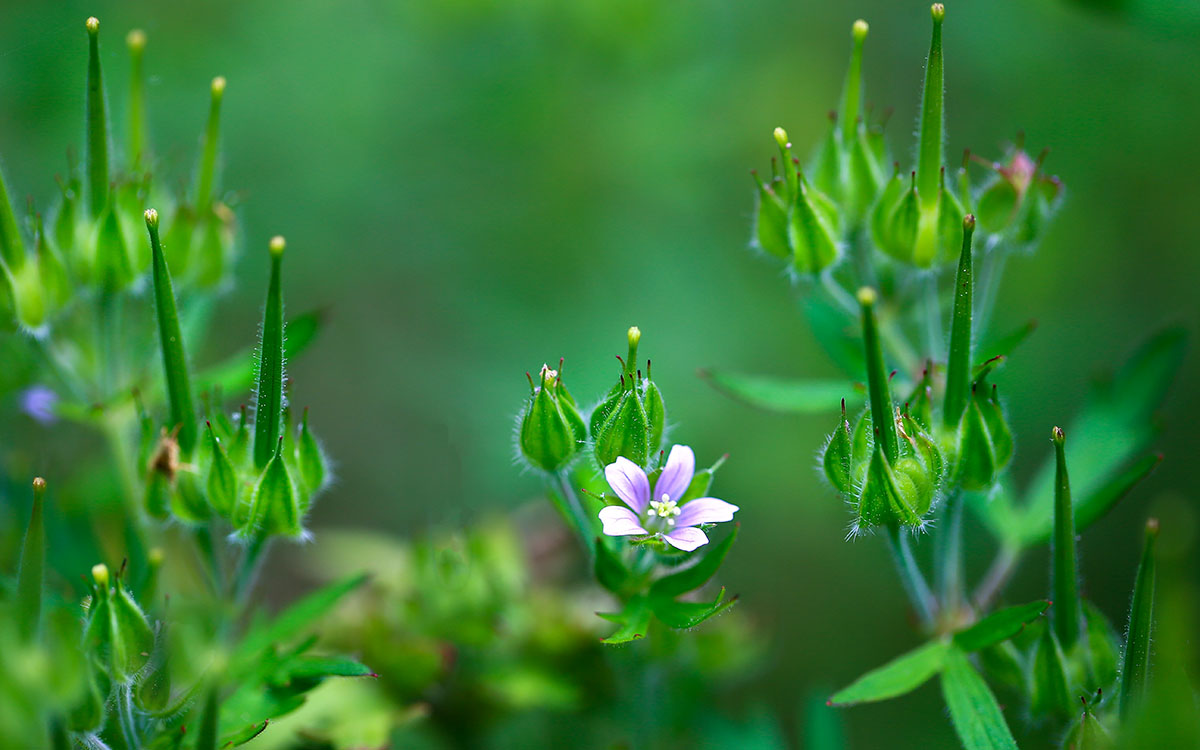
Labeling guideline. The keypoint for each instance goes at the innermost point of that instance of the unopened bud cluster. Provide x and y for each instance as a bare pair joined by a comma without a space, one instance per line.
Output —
850,190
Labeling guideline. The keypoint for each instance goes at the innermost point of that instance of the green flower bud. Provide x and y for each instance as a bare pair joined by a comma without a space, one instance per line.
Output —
796,221
117,631
1018,199
552,430
274,505
836,460
984,443
631,419
222,482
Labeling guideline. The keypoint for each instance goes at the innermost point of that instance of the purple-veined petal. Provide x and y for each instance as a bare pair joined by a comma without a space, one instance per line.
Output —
629,482
620,521
705,510
677,474
686,538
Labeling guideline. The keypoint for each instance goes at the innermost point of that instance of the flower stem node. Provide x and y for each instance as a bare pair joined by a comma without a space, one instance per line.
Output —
552,432
631,419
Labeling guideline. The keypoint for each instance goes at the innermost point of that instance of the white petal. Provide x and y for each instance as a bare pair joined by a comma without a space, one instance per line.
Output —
687,538
620,521
677,474
629,482
705,510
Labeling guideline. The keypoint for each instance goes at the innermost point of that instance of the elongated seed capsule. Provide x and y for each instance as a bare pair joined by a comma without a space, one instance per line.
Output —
958,372
882,414
933,119
269,405
206,177
1135,662
135,40
96,160
1066,617
33,565
175,368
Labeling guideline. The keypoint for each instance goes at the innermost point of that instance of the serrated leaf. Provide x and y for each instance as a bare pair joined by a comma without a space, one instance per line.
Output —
683,615
973,709
999,626
901,675
781,395
669,587
634,621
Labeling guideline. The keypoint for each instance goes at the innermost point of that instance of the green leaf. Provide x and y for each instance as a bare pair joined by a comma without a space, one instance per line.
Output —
1098,503
236,373
669,587
1135,663
999,626
683,615
1115,425
837,334
609,570
634,621
1004,345
899,676
973,709
170,338
314,667
780,395
295,619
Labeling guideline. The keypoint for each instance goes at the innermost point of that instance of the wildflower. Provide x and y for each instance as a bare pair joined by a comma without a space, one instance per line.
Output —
664,513
39,402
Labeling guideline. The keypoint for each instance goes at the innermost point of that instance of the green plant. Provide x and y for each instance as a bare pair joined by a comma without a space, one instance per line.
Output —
933,440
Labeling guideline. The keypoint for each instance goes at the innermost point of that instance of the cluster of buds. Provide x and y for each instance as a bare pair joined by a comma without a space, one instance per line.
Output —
93,246
913,217
260,477
629,421
893,462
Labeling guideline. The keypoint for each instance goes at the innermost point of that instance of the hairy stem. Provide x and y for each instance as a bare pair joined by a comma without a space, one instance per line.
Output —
910,575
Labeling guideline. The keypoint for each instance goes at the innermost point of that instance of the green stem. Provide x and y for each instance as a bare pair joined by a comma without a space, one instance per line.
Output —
128,723
911,577
951,587
998,573
572,511
243,582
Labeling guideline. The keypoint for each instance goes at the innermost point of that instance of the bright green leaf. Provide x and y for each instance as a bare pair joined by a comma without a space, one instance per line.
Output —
899,676
973,709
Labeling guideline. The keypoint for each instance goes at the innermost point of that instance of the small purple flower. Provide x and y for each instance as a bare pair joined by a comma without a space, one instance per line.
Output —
39,402
661,514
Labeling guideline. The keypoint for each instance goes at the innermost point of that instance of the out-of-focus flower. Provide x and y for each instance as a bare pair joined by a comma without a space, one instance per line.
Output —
39,402
664,513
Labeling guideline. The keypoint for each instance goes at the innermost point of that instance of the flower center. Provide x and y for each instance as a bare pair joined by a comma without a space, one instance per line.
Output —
665,509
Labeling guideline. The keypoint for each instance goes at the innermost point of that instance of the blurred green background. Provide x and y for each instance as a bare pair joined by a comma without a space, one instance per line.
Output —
473,187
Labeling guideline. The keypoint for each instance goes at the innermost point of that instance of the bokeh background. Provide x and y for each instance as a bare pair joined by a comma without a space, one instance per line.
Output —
473,187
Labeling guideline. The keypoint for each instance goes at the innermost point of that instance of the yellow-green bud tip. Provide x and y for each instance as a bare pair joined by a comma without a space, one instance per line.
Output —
136,40
278,243
100,574
860,29
218,87
969,222
39,484
93,25
155,556
1057,436
938,11
151,218
635,335
1152,527
867,296
781,137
